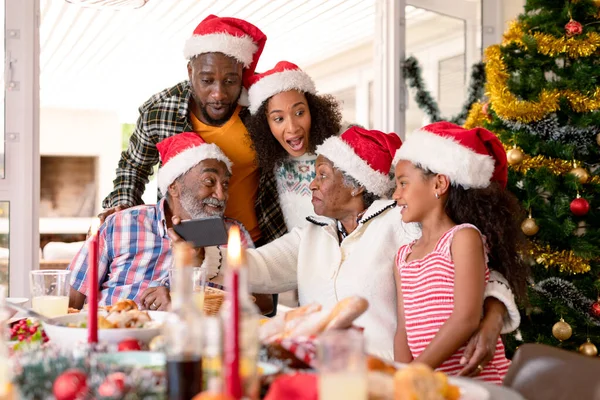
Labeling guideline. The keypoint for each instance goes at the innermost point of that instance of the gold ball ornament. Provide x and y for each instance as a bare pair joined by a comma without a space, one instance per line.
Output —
598,135
530,227
581,174
588,349
561,330
515,156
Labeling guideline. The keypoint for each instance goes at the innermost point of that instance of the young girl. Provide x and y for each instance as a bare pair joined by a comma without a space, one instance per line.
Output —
452,181
287,122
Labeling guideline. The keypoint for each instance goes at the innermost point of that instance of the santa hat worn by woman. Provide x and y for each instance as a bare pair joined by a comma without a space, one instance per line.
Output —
231,36
182,152
283,77
469,158
365,155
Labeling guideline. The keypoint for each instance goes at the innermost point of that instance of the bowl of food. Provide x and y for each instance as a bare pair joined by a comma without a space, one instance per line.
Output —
121,321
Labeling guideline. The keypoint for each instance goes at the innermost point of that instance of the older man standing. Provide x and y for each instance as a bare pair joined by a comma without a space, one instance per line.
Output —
134,248
222,54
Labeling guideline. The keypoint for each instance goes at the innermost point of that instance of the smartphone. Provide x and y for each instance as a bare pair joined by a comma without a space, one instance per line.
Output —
203,232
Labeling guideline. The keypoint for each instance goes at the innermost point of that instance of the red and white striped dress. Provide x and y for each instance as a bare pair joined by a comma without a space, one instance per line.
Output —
428,293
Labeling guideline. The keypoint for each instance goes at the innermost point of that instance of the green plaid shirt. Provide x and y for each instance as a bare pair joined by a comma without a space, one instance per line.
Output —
166,114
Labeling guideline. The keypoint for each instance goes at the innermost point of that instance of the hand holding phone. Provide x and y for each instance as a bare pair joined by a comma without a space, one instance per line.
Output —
203,232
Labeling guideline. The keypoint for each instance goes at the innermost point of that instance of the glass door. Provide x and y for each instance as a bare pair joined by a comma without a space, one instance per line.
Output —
445,39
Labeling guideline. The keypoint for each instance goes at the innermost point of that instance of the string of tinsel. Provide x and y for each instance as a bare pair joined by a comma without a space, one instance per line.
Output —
550,128
509,107
425,101
557,289
549,45
476,116
555,165
565,260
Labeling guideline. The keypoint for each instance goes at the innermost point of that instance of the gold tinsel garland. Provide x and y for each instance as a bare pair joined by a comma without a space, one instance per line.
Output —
476,116
555,165
508,106
565,260
548,45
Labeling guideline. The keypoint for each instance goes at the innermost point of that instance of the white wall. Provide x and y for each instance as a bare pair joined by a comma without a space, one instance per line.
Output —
69,132
511,9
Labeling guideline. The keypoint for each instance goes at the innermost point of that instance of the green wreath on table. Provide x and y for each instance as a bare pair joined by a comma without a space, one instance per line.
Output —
46,372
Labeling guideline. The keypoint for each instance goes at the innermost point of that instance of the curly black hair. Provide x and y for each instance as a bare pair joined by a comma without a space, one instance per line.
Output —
326,121
497,213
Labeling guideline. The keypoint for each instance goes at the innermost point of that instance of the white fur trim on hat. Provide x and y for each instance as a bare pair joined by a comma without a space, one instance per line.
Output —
242,48
279,82
345,159
443,155
186,160
243,100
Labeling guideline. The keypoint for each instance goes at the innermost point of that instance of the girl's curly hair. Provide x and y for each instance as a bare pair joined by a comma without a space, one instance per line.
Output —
497,213
326,121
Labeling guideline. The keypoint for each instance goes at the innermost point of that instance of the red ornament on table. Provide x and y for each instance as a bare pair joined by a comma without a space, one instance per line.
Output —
596,308
70,385
573,28
231,346
129,344
113,385
580,206
92,283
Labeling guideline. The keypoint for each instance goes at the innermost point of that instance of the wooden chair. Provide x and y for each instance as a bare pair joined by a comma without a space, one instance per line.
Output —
540,372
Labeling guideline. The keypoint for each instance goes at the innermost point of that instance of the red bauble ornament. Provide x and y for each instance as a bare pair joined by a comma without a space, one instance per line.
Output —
113,385
70,385
596,308
580,206
573,28
129,344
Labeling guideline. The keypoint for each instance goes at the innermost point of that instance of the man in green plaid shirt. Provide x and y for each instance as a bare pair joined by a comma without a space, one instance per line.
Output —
222,54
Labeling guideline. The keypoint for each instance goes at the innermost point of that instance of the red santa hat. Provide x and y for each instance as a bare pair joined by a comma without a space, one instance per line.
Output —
365,155
182,152
231,36
470,158
283,77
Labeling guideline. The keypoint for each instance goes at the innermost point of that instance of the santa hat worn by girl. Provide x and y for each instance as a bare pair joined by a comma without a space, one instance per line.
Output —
469,158
283,77
231,36
365,155
182,152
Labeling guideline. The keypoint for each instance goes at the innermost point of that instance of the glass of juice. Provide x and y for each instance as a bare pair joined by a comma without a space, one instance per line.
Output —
50,291
342,365
198,285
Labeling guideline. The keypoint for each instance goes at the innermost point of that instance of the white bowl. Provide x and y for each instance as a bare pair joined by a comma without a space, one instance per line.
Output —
66,337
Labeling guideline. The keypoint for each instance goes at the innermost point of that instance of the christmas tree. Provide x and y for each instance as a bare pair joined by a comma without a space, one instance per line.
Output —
543,101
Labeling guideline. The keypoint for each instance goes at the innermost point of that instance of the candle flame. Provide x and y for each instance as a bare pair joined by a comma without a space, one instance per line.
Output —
234,247
94,226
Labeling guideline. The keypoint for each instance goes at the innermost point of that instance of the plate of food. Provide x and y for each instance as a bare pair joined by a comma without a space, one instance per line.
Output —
394,381
115,323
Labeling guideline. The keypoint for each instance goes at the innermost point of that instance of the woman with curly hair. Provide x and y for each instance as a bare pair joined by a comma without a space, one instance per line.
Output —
452,181
288,120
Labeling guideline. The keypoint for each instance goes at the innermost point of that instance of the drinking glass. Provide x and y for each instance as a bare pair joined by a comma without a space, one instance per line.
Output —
342,365
198,285
50,292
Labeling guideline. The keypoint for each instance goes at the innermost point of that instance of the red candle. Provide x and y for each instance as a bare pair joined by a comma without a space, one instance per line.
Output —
233,381
92,283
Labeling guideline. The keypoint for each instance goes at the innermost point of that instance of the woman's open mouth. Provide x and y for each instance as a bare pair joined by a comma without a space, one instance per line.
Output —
296,144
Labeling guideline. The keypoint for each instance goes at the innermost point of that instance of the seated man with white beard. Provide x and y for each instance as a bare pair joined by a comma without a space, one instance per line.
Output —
134,248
